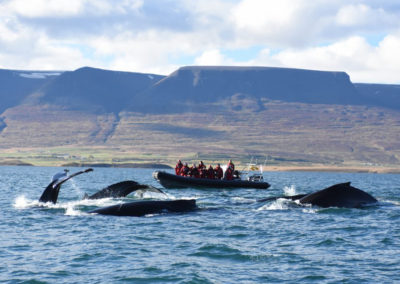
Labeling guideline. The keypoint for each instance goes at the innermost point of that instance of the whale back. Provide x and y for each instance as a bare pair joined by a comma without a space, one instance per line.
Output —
141,208
339,195
120,189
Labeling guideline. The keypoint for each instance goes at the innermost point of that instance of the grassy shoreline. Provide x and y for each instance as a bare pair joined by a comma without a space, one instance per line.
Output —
266,168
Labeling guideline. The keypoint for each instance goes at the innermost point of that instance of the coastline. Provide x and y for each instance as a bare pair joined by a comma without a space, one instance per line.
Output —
324,168
266,168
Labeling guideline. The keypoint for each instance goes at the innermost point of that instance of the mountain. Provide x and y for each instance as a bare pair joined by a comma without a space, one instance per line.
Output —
291,115
91,89
194,85
17,85
383,95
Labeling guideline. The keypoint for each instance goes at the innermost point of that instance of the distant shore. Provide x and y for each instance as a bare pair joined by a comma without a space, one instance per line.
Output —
266,168
322,168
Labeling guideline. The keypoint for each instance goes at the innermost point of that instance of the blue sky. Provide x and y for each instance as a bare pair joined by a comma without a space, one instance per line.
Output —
361,38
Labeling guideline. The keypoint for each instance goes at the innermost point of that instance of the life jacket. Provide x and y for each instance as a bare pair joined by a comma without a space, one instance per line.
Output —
218,172
178,168
229,174
201,166
210,173
184,171
194,172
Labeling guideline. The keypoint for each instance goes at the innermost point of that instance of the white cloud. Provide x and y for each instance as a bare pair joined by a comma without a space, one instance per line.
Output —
39,8
210,57
154,36
361,16
362,61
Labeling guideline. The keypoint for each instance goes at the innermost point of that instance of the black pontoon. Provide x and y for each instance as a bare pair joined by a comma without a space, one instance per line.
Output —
168,180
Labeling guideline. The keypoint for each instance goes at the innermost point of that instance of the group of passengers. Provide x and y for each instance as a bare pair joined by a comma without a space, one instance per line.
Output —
201,171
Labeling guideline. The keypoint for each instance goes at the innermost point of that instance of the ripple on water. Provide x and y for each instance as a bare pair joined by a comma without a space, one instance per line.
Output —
232,239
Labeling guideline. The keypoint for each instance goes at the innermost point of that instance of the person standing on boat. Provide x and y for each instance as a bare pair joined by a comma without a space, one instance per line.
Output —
203,172
210,172
178,168
201,166
231,165
194,171
218,172
229,173
185,170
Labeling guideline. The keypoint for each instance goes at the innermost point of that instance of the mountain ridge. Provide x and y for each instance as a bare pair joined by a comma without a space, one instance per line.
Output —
295,115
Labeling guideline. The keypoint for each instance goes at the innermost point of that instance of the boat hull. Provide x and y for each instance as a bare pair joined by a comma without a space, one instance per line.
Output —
168,180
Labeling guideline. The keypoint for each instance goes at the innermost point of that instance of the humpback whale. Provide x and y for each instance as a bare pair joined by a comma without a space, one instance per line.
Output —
141,208
121,189
50,193
338,195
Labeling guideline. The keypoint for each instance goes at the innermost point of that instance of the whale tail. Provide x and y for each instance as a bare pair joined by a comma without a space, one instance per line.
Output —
50,194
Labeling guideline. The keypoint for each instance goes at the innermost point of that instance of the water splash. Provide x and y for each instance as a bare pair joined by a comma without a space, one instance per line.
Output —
290,190
71,211
21,202
279,204
76,188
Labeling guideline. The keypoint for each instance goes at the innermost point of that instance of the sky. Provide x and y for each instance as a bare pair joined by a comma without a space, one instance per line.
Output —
361,38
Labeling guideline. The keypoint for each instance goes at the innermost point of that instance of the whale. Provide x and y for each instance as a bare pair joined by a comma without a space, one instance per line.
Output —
341,195
142,208
122,189
50,193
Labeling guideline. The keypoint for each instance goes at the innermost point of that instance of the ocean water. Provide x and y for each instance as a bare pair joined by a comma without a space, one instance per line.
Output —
231,239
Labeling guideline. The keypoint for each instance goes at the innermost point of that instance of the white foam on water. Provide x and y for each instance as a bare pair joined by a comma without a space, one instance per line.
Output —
279,204
243,199
393,202
309,210
290,190
71,211
21,202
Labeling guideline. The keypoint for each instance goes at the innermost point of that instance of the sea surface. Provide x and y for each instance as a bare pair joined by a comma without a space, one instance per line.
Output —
231,239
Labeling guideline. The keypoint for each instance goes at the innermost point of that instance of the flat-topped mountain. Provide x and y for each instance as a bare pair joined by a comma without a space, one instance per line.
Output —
191,88
208,84
290,114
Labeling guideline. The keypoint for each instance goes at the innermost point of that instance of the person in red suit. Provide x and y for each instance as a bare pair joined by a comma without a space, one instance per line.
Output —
229,174
185,170
194,171
218,172
210,172
201,166
231,165
178,168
